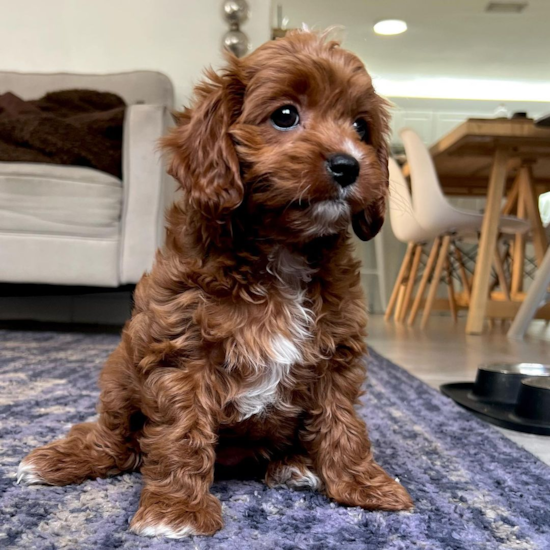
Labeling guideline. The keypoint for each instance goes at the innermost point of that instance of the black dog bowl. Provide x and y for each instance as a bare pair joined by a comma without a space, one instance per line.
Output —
534,400
501,382
514,396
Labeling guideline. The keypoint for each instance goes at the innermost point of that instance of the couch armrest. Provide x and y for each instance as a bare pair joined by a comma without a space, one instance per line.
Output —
147,189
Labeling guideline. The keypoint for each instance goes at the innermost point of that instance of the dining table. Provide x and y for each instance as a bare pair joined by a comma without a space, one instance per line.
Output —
495,158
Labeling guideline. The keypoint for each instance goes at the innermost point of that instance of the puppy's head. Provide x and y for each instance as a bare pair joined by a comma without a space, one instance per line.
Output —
292,136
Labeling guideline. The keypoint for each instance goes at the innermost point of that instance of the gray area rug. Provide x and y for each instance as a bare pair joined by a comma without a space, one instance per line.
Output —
473,488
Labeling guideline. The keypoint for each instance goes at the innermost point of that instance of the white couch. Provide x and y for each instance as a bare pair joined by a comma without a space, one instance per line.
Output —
71,225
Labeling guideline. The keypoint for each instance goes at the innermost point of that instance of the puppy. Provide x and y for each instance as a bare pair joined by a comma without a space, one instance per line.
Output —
248,336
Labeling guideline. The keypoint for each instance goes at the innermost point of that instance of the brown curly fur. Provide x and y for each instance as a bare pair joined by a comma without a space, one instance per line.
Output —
246,262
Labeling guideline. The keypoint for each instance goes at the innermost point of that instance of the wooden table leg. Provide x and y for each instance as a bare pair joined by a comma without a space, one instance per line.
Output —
487,243
518,248
511,199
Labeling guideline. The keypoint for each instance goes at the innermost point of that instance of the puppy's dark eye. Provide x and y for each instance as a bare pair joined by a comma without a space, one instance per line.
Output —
362,129
285,118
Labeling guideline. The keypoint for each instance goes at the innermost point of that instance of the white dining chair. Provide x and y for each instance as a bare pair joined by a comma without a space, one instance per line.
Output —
407,230
432,209
434,213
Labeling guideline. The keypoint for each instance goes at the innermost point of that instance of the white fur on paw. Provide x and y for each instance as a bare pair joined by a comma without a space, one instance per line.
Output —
163,530
296,478
27,475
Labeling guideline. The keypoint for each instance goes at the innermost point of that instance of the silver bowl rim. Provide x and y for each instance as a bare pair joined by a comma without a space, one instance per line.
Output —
538,382
524,369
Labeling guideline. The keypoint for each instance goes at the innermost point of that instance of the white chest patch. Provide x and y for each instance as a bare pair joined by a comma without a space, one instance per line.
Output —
274,368
265,389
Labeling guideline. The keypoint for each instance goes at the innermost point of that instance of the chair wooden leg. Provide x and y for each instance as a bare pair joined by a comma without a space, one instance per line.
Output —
410,284
503,283
451,290
424,281
400,300
400,278
463,275
435,280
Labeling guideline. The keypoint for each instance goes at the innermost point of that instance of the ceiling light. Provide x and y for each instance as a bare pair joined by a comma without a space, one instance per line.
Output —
390,26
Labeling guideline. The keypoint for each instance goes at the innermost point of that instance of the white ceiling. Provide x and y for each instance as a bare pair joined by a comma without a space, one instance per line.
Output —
450,44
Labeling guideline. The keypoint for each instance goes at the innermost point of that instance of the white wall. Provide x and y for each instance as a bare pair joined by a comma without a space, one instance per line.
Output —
177,37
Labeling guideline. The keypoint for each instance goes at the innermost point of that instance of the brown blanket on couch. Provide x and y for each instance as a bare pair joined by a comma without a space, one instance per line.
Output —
78,127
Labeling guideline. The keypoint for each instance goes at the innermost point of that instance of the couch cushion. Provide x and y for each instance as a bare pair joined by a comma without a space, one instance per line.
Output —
134,87
59,200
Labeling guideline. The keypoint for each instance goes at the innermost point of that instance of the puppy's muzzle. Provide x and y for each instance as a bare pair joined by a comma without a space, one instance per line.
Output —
344,169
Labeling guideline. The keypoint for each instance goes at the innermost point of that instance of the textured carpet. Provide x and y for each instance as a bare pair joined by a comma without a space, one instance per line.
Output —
473,488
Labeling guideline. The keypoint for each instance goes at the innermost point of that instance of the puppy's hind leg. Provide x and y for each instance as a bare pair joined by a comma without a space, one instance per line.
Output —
92,449
295,471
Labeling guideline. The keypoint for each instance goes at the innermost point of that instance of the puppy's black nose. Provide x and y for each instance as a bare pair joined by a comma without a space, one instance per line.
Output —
344,169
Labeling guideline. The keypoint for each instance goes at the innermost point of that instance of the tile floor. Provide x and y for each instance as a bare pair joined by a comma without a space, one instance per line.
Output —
444,353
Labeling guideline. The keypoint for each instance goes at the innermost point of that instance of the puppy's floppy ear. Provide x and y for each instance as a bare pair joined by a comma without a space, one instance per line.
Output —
203,157
368,223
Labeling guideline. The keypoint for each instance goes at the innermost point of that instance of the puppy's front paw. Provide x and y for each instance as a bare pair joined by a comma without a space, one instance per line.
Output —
380,493
171,517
